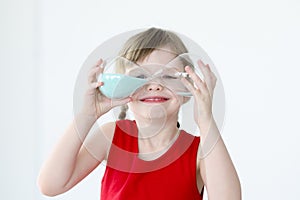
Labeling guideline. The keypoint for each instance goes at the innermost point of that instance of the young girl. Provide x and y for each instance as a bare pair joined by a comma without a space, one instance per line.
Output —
148,157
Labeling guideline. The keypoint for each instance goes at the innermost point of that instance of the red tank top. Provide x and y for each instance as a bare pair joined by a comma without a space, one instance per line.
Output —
171,176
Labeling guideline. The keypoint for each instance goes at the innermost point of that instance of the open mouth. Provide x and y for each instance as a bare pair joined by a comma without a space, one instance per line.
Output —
155,99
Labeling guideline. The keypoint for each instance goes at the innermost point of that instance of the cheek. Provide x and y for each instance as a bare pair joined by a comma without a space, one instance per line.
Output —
135,106
180,99
130,105
138,93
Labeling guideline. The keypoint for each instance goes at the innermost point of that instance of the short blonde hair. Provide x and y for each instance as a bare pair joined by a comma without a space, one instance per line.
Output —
139,46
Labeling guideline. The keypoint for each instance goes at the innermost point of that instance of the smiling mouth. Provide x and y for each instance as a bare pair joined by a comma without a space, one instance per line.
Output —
154,99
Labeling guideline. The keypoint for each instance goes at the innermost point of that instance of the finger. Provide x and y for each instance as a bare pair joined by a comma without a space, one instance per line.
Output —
98,63
101,63
95,85
212,75
209,77
197,81
92,74
93,88
204,70
190,87
95,70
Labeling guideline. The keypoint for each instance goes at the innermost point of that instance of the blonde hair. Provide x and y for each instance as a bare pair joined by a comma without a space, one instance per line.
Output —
139,46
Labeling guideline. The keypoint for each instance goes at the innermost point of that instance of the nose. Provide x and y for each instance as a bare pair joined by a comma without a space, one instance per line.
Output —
154,87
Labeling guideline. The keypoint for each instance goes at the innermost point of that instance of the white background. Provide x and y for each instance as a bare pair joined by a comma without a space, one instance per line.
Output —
254,44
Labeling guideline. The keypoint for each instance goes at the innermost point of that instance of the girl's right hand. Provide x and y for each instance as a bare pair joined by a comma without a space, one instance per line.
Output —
95,103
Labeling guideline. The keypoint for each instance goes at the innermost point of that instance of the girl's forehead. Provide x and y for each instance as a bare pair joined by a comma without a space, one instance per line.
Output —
153,68
156,61
158,56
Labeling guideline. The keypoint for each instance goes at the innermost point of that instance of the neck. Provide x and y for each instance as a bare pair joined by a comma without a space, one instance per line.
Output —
156,138
157,131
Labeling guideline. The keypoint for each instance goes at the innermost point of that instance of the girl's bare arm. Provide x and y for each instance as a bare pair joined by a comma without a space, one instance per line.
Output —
78,151
72,159
216,168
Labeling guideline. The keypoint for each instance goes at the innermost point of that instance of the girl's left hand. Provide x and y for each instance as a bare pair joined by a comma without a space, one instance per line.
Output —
202,91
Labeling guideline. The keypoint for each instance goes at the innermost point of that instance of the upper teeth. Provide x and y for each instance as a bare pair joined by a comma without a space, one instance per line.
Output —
156,98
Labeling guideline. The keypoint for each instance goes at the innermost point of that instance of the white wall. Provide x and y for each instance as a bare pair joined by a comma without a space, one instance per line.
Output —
254,45
18,84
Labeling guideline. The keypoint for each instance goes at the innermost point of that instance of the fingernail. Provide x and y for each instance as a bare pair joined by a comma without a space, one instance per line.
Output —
103,63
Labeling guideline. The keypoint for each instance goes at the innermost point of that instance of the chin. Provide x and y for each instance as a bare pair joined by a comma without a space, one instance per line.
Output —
153,111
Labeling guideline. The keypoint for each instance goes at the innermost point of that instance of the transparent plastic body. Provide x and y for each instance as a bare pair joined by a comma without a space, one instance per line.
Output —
123,77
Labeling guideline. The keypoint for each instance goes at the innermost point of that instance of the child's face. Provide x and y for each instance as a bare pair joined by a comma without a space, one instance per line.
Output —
154,100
